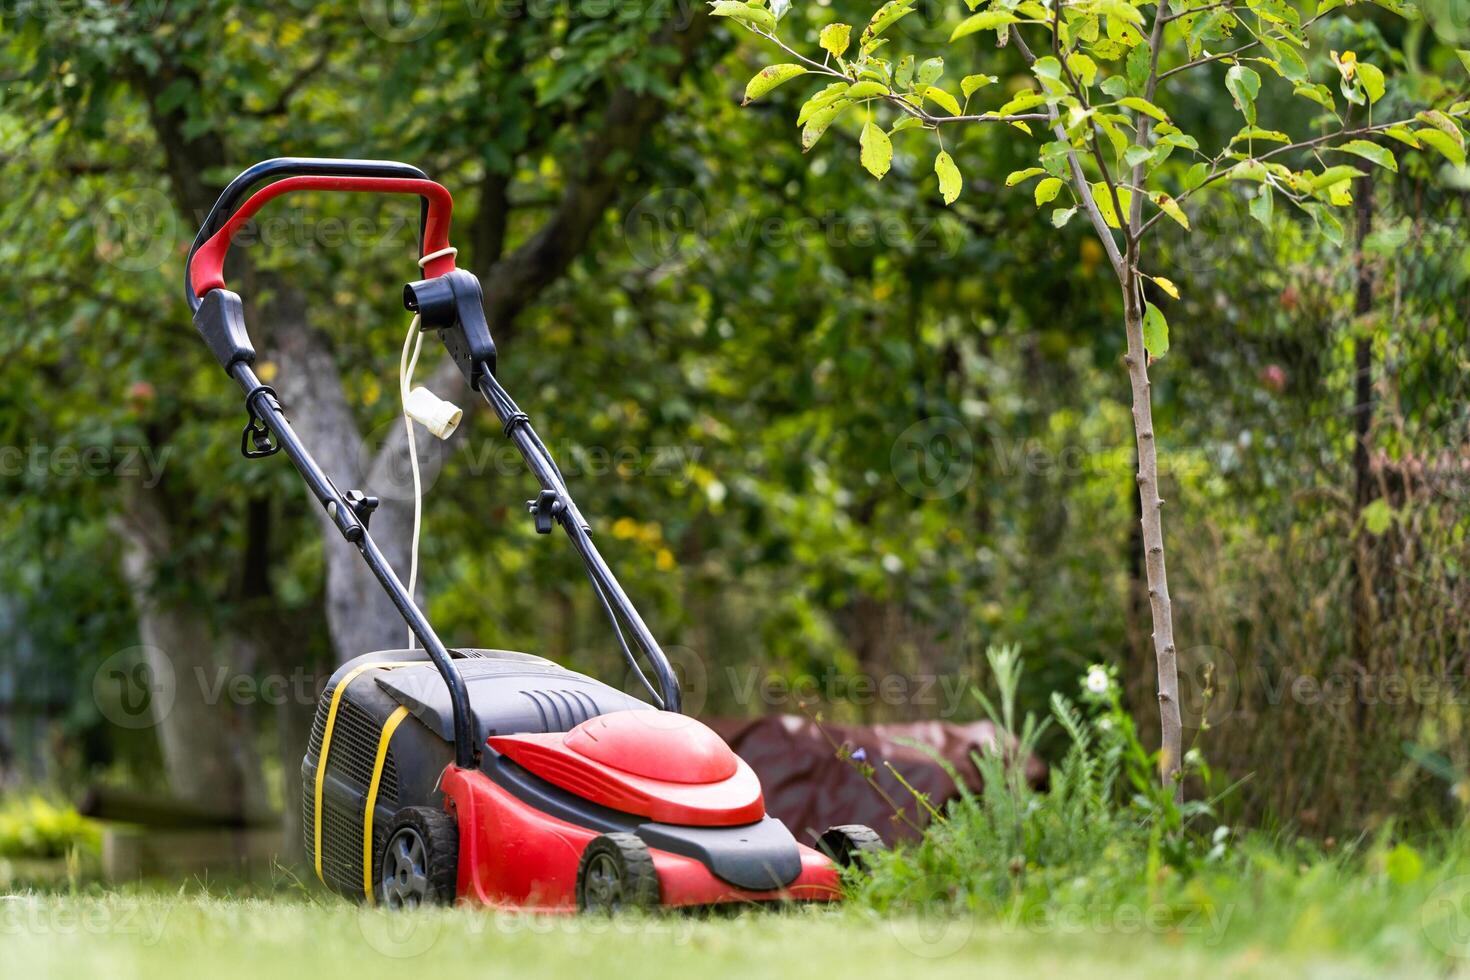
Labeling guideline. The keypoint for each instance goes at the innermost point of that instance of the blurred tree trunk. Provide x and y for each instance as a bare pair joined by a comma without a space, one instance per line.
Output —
207,745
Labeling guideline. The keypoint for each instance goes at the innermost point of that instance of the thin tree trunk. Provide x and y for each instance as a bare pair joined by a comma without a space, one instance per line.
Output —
1151,503
1362,414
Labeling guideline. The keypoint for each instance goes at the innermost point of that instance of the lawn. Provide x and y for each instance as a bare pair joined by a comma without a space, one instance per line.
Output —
158,936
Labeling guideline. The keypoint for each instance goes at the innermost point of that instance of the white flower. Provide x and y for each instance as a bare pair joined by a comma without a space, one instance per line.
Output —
1193,757
1097,680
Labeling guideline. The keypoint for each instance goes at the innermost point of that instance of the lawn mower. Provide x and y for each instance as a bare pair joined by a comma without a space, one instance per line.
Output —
435,775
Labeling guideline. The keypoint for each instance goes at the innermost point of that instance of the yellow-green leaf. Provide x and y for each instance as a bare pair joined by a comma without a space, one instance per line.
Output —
835,38
942,99
1167,285
1371,152
866,90
1372,78
877,150
1144,106
1016,176
757,17
768,78
887,15
817,124
1022,102
1155,331
1453,151
950,181
971,84
1171,207
1047,190
983,21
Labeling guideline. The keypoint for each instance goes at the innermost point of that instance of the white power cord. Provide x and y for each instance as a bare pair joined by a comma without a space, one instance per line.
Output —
429,410
435,414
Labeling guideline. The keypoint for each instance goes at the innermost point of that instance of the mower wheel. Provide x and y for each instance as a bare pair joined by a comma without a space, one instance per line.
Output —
847,843
616,874
420,863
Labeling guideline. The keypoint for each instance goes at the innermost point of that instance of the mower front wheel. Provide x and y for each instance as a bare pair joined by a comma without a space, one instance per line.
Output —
420,863
616,874
847,843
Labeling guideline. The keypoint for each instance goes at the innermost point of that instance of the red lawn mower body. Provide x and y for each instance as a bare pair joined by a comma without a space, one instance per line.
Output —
487,775
664,767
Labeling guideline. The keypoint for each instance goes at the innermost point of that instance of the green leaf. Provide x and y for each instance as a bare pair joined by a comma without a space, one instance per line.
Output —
1083,67
929,71
1144,106
821,100
835,38
1372,79
768,78
877,150
971,84
1334,175
984,21
1155,331
1061,216
1244,84
1136,155
1372,152
1103,198
888,15
866,90
817,124
1016,176
1454,152
1022,102
1195,176
1320,94
1377,516
756,17
903,74
942,99
1257,133
1047,190
1403,134
1171,207
950,181
1464,57
907,122
1260,206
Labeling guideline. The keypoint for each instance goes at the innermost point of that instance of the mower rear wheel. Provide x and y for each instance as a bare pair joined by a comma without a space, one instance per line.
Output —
420,863
847,843
616,874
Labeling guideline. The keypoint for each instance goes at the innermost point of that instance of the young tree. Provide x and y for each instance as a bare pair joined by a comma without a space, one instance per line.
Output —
1097,107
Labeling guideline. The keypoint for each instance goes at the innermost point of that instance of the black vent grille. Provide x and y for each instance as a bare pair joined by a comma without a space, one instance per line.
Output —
350,758
561,711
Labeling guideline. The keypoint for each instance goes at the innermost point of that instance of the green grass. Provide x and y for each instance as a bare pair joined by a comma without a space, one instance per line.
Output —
127,936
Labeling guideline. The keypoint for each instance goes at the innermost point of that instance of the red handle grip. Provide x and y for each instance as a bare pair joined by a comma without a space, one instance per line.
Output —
207,270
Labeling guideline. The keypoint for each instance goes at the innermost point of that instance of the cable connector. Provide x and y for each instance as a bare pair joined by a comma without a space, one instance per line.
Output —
432,412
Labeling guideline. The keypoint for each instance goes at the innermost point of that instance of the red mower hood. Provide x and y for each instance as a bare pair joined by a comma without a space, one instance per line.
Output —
667,767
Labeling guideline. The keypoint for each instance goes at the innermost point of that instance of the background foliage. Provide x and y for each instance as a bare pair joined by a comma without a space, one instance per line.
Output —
821,422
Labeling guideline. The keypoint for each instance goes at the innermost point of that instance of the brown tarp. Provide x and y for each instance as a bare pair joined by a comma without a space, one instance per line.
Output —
810,787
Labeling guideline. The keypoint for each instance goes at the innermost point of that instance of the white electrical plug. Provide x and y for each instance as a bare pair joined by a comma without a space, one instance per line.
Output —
432,412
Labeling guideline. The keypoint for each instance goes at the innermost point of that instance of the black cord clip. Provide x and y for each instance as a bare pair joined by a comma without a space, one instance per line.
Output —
546,508
257,441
